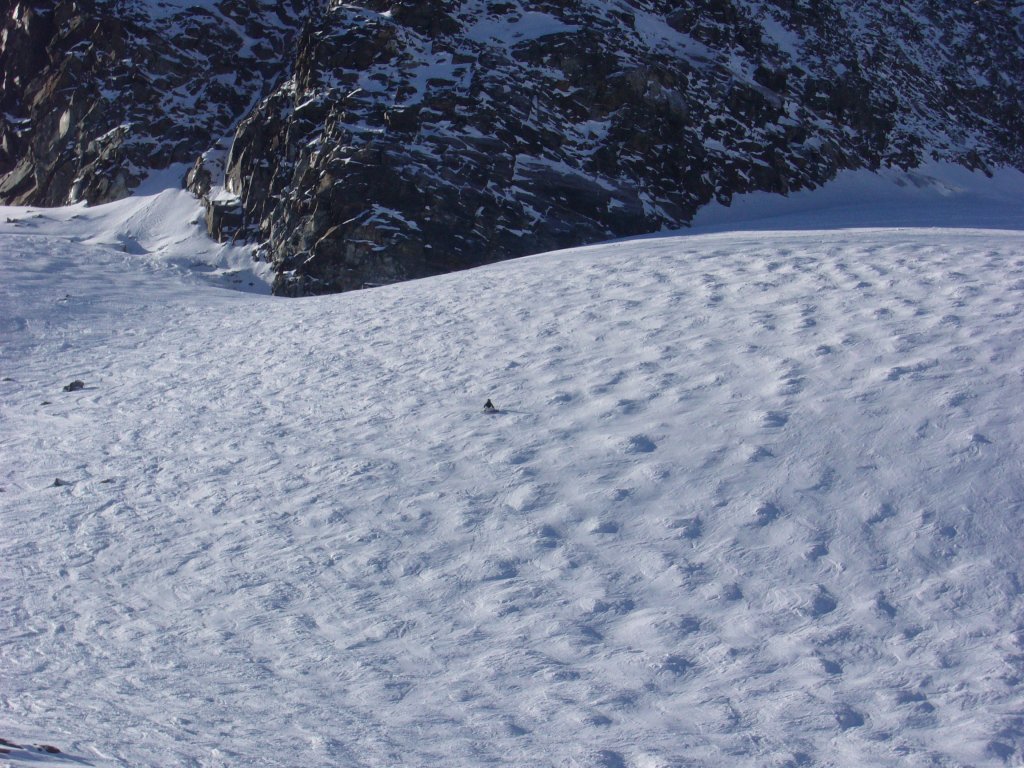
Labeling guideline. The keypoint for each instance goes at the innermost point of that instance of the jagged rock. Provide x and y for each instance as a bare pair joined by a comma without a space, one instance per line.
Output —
415,143
224,218
383,140
96,95
199,181
74,386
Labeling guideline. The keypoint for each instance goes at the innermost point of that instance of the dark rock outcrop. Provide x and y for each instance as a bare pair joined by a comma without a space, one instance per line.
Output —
97,94
393,140
418,138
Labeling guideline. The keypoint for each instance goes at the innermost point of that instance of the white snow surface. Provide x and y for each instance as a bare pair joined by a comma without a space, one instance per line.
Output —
752,498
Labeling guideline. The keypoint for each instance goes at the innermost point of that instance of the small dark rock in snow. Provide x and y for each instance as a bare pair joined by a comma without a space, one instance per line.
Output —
676,665
997,749
847,718
49,748
732,592
822,603
75,385
640,444
57,483
766,514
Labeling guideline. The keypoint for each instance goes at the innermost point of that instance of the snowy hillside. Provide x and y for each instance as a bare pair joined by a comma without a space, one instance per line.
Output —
753,498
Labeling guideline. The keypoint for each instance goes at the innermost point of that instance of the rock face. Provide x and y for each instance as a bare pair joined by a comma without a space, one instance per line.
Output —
96,94
403,139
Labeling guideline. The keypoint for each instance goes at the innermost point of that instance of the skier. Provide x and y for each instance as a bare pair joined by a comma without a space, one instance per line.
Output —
489,407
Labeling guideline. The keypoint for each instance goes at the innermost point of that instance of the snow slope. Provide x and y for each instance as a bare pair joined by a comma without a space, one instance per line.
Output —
754,498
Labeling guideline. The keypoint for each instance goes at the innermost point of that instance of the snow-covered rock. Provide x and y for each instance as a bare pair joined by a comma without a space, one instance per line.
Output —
413,140
377,141
97,95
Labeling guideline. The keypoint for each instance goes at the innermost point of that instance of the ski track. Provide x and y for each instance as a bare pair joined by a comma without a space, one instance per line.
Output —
752,499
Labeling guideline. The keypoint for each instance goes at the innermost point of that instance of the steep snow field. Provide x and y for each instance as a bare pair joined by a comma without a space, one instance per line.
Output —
753,498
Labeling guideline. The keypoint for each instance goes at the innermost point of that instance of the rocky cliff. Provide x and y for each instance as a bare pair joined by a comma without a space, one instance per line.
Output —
96,94
393,140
